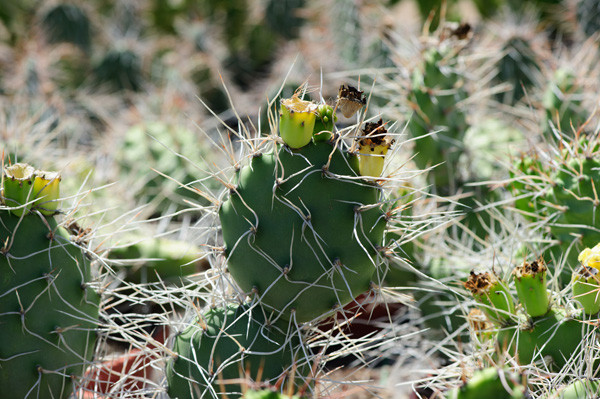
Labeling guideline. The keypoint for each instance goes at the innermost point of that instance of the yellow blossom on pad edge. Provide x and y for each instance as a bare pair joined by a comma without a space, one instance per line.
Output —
590,257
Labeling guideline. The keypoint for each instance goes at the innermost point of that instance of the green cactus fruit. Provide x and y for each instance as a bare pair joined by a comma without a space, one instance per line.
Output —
149,260
562,102
17,184
324,123
530,282
494,295
67,23
372,149
586,289
47,307
297,121
47,191
491,383
25,188
301,231
554,335
226,345
120,69
519,66
436,95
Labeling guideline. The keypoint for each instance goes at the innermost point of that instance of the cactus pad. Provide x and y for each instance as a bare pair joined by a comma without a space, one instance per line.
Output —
224,345
46,307
302,230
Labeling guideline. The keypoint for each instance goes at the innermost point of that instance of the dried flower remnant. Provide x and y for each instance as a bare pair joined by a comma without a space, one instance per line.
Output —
350,100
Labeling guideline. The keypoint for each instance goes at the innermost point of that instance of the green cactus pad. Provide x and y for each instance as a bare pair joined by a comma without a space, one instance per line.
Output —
554,335
302,237
225,345
563,192
436,95
491,383
586,289
46,308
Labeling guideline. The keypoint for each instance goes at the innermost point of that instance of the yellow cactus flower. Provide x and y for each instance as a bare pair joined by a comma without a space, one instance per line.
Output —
590,257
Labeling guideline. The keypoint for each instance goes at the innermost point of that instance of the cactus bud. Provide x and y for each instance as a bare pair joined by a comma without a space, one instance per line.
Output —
586,289
530,281
492,293
350,100
17,185
297,121
326,117
47,191
372,147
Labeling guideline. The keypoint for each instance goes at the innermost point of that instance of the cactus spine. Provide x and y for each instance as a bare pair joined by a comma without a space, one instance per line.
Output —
47,306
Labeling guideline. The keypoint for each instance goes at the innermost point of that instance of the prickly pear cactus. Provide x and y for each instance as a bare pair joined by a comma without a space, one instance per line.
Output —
538,329
67,23
169,148
562,193
436,94
519,66
47,306
302,229
226,345
120,69
562,104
